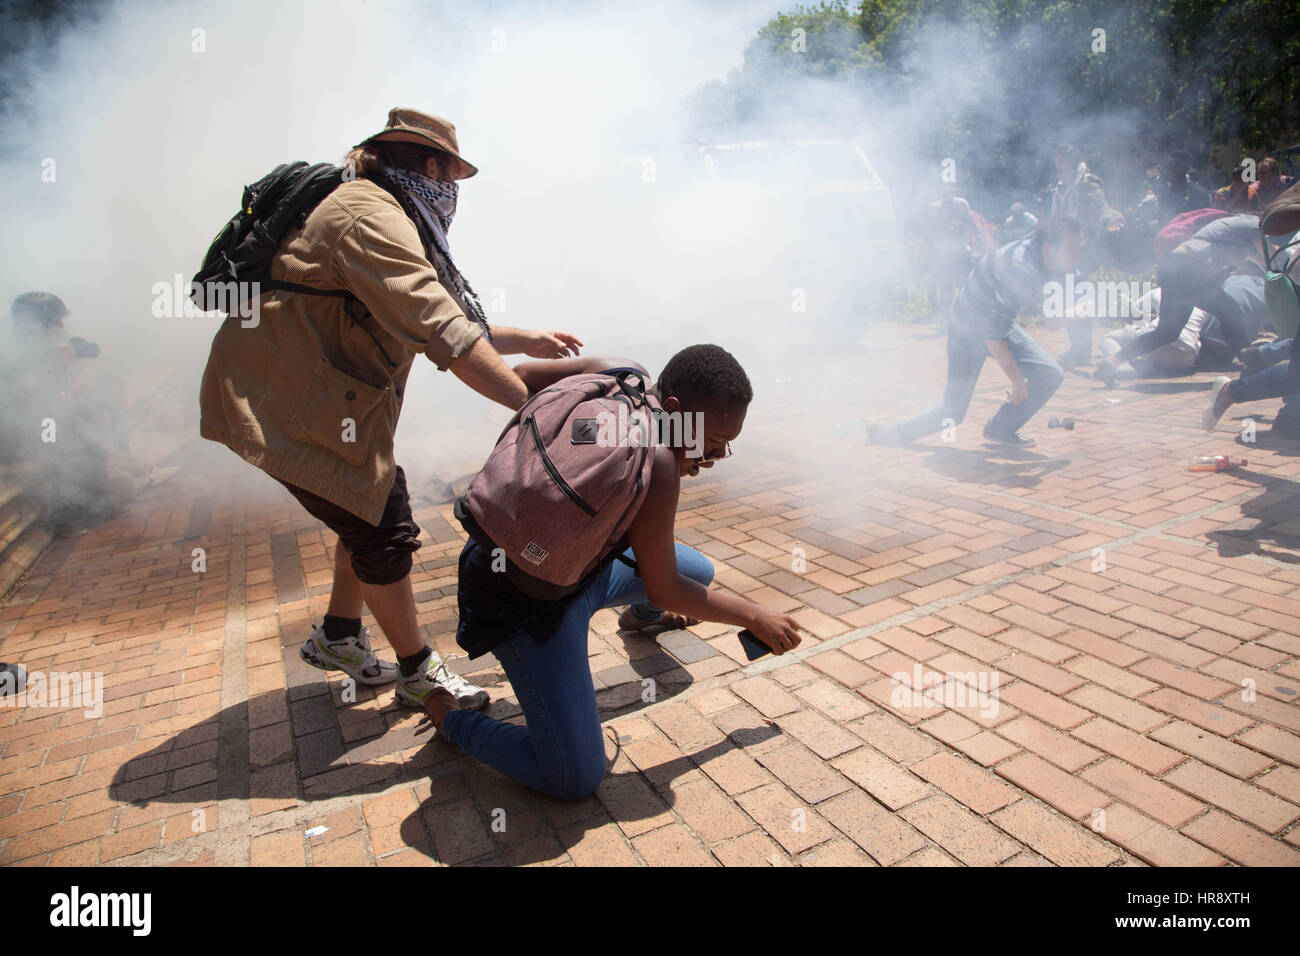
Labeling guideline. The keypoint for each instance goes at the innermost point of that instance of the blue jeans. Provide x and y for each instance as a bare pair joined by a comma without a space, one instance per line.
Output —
560,750
966,355
1271,382
1274,352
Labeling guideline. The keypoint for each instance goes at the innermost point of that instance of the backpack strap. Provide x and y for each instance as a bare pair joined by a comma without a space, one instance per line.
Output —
635,393
308,290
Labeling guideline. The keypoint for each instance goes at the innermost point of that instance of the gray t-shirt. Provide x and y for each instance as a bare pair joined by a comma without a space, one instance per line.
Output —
1003,283
1223,242
1246,291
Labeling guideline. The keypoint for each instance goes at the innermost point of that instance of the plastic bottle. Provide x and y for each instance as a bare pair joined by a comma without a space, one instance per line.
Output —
1215,463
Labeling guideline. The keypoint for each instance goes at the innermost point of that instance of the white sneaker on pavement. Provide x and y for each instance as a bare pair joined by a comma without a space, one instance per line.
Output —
352,655
434,672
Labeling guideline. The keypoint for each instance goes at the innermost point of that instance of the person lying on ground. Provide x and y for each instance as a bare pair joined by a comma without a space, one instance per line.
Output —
1192,276
1176,358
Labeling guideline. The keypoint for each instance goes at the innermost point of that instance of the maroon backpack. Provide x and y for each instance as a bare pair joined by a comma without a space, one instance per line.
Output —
1182,227
565,480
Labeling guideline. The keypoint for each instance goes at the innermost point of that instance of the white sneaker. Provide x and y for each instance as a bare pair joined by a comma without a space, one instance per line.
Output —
434,672
1208,417
351,655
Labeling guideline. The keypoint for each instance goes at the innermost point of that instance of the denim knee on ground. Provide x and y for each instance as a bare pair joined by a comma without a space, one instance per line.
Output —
561,748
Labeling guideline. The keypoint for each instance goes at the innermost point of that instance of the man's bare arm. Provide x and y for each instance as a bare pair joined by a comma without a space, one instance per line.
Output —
538,344
538,375
651,537
482,369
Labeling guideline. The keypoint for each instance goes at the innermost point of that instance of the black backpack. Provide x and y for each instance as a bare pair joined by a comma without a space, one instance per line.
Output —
242,251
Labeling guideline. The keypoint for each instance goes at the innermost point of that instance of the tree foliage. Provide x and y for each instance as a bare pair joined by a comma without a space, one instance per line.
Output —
1001,79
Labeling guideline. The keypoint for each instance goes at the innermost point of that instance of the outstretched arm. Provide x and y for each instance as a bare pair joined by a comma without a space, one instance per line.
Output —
482,369
538,375
538,344
651,536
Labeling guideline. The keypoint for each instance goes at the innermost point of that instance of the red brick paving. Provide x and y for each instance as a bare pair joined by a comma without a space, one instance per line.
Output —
1141,622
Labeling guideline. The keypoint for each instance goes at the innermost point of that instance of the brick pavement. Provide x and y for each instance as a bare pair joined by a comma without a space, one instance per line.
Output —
1079,654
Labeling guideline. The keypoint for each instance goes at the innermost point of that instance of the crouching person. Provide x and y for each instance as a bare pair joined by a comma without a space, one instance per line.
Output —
983,323
569,516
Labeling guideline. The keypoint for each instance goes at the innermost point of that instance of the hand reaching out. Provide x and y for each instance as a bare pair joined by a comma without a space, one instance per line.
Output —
553,345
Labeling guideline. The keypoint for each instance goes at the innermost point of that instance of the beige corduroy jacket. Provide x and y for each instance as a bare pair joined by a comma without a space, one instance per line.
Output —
311,394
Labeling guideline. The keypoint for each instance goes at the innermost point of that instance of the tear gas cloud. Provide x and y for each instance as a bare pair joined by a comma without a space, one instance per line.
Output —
603,205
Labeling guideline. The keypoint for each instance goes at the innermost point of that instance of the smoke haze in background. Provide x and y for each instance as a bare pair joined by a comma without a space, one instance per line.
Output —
593,211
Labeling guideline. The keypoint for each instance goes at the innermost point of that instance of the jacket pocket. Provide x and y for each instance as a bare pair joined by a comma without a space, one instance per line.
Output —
341,413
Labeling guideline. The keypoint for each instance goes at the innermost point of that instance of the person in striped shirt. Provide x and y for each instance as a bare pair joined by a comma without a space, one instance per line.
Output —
1003,283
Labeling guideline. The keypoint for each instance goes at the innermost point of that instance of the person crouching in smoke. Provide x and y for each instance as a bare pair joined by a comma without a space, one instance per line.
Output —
54,418
983,323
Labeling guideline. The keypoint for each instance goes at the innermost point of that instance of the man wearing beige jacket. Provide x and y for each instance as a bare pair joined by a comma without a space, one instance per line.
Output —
312,392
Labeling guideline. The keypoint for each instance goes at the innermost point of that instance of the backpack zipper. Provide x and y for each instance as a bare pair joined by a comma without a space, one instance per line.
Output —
551,470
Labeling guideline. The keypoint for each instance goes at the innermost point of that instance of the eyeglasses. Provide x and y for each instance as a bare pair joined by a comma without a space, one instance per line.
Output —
726,453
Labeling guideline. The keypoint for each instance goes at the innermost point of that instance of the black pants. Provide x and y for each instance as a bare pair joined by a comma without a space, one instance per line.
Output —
1185,283
381,554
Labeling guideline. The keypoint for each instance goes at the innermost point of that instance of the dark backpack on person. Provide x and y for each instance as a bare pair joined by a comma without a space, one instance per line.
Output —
567,476
242,251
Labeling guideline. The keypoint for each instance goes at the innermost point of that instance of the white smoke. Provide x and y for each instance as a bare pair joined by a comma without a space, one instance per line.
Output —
594,211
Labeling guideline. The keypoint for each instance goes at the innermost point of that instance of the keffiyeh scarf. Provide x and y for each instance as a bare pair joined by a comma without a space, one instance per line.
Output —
431,205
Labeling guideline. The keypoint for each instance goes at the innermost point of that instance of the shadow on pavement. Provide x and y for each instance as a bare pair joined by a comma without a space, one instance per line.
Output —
1169,388
1002,467
301,744
1277,508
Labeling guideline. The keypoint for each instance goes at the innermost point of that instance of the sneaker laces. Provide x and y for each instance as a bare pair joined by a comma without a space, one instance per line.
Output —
363,638
441,673
368,658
